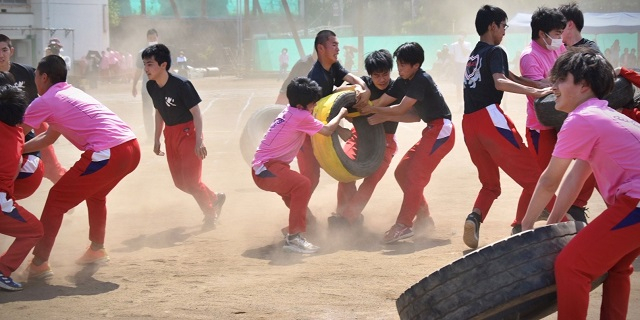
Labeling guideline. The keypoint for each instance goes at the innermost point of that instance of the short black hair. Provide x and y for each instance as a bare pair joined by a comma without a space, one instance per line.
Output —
588,65
322,37
6,78
4,38
409,52
13,103
152,31
302,91
546,19
159,52
573,13
55,68
487,15
378,61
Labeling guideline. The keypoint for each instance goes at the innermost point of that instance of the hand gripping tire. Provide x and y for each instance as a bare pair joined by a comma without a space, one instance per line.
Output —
328,151
509,279
256,127
622,96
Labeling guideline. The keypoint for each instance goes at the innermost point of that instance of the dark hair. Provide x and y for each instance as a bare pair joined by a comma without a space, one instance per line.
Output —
6,78
159,52
409,52
378,61
55,68
13,103
546,19
302,91
4,38
588,65
487,15
152,31
322,37
573,13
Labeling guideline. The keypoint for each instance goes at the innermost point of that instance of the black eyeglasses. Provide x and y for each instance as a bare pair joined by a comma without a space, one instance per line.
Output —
506,26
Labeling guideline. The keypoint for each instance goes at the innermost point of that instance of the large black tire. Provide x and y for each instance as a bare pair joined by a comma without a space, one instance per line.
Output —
256,127
622,96
509,279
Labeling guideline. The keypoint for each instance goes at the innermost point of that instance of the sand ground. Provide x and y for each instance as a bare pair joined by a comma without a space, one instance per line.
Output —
164,267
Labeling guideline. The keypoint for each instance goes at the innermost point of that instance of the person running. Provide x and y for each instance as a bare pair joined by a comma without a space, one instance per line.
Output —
270,166
15,221
110,152
489,134
593,139
180,119
422,101
352,199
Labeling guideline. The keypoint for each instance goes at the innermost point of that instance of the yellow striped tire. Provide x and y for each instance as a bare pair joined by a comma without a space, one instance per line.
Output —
328,150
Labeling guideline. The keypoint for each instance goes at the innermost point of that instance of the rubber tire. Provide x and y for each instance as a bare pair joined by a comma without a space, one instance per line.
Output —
328,150
253,132
509,279
622,96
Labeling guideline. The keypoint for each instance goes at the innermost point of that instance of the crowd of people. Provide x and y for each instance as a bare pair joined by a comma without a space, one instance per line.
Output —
599,142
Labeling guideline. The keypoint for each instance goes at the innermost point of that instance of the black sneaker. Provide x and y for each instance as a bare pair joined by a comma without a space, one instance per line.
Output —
338,222
576,213
516,229
471,234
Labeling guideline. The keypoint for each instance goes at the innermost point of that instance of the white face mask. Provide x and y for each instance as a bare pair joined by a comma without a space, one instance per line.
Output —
153,42
555,43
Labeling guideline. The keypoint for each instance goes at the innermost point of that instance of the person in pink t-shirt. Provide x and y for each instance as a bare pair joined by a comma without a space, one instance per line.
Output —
280,145
111,152
604,142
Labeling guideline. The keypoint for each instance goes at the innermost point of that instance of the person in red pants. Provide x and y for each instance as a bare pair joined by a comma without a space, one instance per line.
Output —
110,152
270,166
178,113
15,221
352,199
489,134
594,139
422,101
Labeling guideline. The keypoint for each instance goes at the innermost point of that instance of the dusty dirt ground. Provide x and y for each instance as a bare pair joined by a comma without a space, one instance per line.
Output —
163,267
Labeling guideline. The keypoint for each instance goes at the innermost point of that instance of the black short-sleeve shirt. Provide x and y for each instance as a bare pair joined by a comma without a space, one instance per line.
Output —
300,69
328,78
25,79
389,126
174,100
479,88
430,104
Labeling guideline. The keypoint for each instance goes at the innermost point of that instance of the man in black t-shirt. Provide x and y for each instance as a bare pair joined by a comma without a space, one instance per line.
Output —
178,113
572,33
490,136
422,101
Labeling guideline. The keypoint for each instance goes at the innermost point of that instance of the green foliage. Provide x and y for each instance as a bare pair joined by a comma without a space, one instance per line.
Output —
114,13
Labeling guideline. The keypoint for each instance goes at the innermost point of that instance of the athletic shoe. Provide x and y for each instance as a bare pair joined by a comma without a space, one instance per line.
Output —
471,235
93,256
423,225
40,272
338,222
296,243
516,229
397,232
8,284
576,213
210,219
217,206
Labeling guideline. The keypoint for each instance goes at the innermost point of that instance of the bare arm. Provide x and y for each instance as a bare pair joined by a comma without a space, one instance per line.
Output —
569,190
41,141
156,136
410,116
395,110
331,126
201,150
136,78
362,91
505,84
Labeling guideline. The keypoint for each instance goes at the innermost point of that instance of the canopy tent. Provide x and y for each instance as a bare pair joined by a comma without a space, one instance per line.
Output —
595,23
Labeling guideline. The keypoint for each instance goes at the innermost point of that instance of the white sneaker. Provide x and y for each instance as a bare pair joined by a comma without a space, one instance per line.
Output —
296,243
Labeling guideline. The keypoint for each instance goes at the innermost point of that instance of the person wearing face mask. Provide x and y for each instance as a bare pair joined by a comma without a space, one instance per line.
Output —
147,104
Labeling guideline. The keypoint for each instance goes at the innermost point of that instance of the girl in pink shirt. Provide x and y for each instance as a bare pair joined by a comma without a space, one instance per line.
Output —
270,167
604,142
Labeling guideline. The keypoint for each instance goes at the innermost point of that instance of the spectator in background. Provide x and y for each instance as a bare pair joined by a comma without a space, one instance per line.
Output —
633,59
284,63
181,61
147,105
625,58
615,54
460,53
300,69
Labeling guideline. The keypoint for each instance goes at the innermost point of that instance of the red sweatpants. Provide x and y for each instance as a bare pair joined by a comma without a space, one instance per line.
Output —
352,200
90,179
29,178
414,170
24,227
185,166
541,144
493,142
293,187
308,164
610,243
53,170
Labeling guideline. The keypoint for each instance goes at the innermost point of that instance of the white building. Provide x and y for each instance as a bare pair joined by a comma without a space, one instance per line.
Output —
80,25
